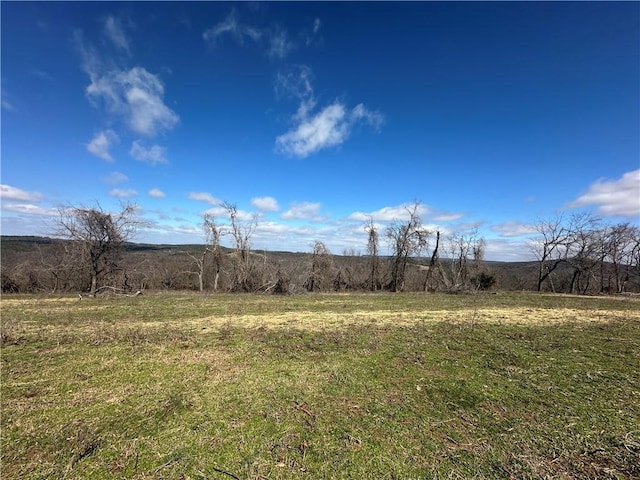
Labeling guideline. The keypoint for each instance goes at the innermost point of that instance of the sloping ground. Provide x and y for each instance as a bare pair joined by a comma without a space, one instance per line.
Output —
320,386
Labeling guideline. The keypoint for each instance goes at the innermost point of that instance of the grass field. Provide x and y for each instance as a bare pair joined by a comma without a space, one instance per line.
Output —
402,386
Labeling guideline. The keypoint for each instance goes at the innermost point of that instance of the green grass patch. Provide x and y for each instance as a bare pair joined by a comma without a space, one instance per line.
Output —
338,386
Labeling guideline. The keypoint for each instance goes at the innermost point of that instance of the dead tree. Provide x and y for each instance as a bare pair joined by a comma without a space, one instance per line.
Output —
466,254
374,259
548,247
428,279
322,274
241,229
406,239
98,237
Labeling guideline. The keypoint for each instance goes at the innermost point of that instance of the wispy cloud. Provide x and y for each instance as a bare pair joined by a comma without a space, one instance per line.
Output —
28,209
619,197
274,39
6,105
303,211
513,229
115,33
100,144
122,193
115,177
265,204
41,74
7,192
156,193
279,43
204,197
447,217
296,83
233,27
152,155
330,127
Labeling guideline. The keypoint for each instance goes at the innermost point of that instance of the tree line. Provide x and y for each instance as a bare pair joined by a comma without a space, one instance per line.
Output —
580,254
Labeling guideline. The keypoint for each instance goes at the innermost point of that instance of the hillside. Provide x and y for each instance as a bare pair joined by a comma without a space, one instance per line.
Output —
33,264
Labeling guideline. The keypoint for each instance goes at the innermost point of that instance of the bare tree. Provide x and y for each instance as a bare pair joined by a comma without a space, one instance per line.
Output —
547,247
322,271
406,239
618,245
213,233
211,251
374,258
241,231
466,255
583,250
198,266
98,237
433,263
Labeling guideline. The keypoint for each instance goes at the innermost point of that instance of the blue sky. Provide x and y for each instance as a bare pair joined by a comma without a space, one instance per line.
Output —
317,116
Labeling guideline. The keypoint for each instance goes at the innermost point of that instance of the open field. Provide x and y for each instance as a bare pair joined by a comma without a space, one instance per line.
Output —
183,386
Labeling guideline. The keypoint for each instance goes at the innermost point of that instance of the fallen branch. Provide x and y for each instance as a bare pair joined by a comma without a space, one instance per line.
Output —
219,470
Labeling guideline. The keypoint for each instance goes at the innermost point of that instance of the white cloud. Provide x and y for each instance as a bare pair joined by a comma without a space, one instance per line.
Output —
156,193
265,204
508,250
152,155
389,214
303,211
313,132
204,197
448,217
28,209
120,193
116,177
136,95
513,229
330,127
316,25
7,192
619,197
100,144
148,115
326,129
231,26
114,31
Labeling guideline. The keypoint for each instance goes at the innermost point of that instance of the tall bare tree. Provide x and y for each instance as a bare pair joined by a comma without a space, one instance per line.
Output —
466,256
619,241
548,247
211,254
406,239
583,249
98,237
241,231
374,257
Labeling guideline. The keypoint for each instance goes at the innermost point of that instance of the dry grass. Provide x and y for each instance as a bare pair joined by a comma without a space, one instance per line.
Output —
320,386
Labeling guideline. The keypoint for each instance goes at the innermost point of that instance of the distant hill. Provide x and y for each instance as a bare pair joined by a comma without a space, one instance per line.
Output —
26,260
